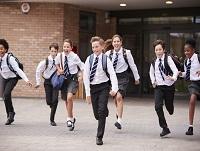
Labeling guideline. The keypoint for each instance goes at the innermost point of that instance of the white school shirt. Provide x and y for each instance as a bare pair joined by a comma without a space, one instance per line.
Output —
121,63
195,66
46,73
155,74
73,61
6,73
100,75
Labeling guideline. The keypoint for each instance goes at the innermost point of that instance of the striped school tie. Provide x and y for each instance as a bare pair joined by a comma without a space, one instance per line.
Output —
188,66
94,68
66,68
53,64
161,69
115,61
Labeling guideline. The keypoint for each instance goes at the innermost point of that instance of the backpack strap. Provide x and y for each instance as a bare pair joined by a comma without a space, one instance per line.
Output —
111,54
61,62
8,62
167,67
46,63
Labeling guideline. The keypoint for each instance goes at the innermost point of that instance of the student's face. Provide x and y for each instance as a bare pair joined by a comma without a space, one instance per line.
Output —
97,47
189,51
2,51
117,43
53,52
159,51
67,47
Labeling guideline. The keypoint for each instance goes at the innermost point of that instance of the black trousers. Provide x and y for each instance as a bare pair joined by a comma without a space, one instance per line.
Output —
99,98
51,97
164,95
8,86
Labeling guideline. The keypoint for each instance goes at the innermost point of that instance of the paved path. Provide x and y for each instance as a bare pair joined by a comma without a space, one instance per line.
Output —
31,130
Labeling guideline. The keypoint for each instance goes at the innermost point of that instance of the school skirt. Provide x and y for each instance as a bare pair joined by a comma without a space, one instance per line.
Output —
194,88
123,80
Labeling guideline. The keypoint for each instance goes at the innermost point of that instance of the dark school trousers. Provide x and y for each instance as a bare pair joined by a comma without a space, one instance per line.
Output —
164,95
51,97
8,86
99,98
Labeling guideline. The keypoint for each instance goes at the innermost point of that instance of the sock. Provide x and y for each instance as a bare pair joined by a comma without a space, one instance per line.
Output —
119,120
190,125
70,119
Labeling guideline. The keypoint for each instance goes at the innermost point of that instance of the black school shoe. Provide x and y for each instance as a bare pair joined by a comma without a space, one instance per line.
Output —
71,124
118,125
52,123
164,132
189,131
99,141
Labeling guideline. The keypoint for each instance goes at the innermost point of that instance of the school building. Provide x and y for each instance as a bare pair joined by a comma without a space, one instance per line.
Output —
31,25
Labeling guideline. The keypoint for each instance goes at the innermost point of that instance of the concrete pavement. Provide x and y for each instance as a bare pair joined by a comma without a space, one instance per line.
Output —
140,132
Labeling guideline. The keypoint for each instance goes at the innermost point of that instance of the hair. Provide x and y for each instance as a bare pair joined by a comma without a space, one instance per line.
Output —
96,38
68,41
54,45
116,35
191,42
159,42
5,44
108,45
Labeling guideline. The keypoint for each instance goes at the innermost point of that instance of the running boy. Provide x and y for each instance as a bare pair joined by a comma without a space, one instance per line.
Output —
98,71
10,78
163,82
47,68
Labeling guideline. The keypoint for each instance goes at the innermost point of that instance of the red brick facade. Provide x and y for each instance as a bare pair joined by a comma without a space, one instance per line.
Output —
29,35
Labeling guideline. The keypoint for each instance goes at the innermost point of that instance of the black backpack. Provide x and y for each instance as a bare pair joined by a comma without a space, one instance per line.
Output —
10,66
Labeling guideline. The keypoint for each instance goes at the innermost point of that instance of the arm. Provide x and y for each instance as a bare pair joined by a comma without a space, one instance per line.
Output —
39,70
86,74
113,77
152,76
173,68
132,65
58,62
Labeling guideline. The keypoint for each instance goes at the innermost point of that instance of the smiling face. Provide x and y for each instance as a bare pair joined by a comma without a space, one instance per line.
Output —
67,47
189,51
53,52
2,51
117,43
159,51
97,47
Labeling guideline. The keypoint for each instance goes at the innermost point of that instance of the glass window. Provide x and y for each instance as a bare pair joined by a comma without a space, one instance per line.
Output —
87,21
126,21
169,20
197,19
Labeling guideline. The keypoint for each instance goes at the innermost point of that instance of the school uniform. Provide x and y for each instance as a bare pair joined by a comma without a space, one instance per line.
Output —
70,61
46,70
165,88
192,65
97,86
121,68
10,80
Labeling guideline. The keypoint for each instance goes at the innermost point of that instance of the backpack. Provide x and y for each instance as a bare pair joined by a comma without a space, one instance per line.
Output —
126,60
104,63
10,66
168,70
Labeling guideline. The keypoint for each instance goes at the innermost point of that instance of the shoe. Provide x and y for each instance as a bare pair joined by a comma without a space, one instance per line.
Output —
99,141
189,131
165,132
10,118
52,123
71,124
118,125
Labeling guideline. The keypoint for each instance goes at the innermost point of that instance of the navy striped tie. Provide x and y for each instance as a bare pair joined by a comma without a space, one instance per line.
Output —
161,69
115,61
94,68
53,64
188,66
66,68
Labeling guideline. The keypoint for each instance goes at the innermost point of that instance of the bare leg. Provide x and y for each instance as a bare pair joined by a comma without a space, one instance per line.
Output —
192,103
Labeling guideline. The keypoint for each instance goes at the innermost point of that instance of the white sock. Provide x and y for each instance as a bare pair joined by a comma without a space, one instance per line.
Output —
119,120
70,119
190,125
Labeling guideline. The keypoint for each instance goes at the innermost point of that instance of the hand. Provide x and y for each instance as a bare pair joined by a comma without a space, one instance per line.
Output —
170,78
154,85
88,99
29,83
60,71
80,79
198,73
137,82
37,86
112,93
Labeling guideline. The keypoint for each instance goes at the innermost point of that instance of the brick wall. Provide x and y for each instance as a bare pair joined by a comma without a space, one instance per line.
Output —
29,35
